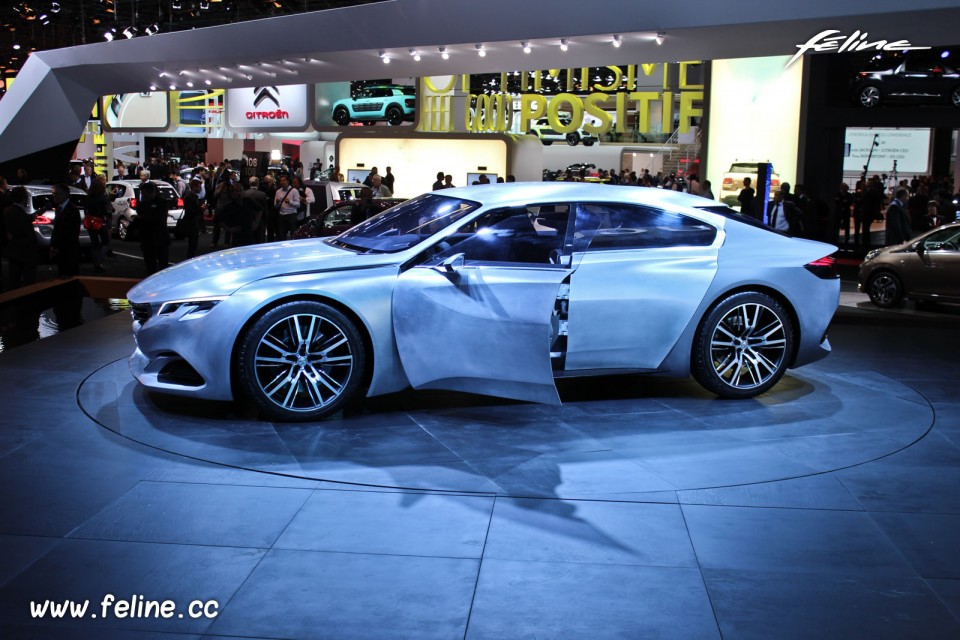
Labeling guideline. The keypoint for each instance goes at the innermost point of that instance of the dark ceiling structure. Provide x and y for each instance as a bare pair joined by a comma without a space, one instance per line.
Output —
41,24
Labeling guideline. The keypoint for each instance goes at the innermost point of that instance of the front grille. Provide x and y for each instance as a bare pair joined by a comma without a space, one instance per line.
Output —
140,311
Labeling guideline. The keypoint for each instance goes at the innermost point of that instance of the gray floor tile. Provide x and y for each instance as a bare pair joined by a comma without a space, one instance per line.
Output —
390,523
812,492
197,472
591,532
949,593
929,541
787,606
89,569
19,552
310,594
528,600
803,541
203,514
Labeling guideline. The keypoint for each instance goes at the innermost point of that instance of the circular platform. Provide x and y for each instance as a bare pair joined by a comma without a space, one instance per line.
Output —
612,436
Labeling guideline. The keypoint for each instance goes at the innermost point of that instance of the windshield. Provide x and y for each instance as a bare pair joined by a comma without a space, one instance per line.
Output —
745,167
406,224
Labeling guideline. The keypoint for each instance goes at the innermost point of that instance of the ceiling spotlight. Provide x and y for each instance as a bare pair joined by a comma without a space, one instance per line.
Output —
660,36
204,4
173,87
526,46
415,54
54,7
152,30
110,34
564,44
481,51
44,19
616,41
16,46
189,84
129,32
384,57
207,82
443,53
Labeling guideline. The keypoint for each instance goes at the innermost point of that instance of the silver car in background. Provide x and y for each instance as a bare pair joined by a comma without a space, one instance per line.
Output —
496,290
44,211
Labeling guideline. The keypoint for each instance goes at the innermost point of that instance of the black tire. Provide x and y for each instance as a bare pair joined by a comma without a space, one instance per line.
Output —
588,143
573,138
341,116
546,142
885,289
743,346
868,96
277,370
394,115
955,97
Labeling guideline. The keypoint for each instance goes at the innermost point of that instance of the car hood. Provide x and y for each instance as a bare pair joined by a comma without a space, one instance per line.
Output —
223,272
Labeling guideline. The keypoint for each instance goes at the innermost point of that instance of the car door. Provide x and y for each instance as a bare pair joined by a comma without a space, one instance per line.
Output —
481,316
641,275
937,273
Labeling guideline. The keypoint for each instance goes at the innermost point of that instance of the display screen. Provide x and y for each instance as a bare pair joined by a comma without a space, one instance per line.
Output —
909,148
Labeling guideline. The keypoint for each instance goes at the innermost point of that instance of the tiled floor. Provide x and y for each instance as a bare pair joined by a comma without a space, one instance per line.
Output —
640,508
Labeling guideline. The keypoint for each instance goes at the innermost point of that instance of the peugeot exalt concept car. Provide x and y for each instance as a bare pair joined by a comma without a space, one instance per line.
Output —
496,290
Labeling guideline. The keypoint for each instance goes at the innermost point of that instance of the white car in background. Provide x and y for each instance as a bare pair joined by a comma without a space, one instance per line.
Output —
44,212
548,135
125,195
732,182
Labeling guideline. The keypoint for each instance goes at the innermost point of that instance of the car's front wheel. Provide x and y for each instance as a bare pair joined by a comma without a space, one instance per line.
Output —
743,345
885,289
301,361
869,96
394,115
341,116
955,97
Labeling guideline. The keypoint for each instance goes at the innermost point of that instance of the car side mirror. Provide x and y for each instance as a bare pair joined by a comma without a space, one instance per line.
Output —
452,263
920,248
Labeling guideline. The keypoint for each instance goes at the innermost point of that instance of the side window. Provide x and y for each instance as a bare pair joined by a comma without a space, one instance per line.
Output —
43,203
943,240
534,234
602,227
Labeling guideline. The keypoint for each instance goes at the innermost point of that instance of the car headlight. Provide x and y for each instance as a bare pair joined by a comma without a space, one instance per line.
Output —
190,309
873,253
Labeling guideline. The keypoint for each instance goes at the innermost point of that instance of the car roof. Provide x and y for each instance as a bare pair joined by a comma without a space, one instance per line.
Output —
510,193
136,183
36,189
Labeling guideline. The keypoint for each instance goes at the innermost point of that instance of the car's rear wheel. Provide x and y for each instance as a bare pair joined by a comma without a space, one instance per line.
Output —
573,138
885,289
588,143
394,115
743,346
341,116
869,96
301,361
955,97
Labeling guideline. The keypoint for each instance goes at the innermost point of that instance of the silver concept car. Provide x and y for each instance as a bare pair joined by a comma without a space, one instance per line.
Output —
496,290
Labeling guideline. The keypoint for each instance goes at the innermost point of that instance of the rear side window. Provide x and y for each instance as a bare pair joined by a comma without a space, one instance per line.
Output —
43,203
622,226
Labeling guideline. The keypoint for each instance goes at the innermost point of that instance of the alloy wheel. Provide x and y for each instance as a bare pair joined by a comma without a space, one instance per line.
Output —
869,96
884,290
303,362
748,346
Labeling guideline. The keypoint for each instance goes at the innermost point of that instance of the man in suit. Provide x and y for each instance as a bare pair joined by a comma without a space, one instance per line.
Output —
65,240
154,236
86,178
21,249
782,213
898,222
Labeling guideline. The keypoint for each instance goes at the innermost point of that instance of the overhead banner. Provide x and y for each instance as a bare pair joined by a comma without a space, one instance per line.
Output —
269,108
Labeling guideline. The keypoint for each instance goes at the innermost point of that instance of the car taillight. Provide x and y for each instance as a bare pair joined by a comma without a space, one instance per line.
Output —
825,267
728,181
410,102
42,220
133,203
774,182
863,74
179,203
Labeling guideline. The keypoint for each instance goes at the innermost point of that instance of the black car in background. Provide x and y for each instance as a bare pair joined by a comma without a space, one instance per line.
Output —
918,76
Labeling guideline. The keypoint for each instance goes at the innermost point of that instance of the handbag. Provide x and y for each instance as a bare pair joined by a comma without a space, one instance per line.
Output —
93,223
